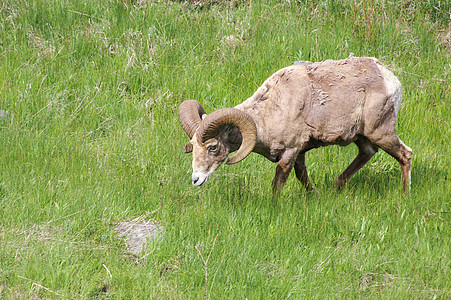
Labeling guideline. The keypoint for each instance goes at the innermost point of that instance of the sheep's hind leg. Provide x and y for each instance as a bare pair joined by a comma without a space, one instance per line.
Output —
393,145
301,172
283,170
366,152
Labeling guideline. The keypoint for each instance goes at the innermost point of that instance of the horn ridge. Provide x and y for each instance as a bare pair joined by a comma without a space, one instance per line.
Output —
190,116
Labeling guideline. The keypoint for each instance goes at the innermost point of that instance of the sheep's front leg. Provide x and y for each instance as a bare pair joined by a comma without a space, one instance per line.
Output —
301,172
283,169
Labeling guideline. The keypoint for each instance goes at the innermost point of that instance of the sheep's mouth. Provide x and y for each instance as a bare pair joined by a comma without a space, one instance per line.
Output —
198,182
203,182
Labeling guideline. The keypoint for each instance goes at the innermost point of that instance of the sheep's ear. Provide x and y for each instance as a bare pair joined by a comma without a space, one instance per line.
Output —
188,147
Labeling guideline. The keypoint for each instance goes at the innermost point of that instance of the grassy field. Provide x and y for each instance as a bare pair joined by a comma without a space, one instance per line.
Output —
92,138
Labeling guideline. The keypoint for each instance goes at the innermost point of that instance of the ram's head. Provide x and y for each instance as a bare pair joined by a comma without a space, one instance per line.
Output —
214,137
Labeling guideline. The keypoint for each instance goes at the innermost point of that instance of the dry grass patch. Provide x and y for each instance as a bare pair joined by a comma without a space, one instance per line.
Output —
45,48
372,280
444,38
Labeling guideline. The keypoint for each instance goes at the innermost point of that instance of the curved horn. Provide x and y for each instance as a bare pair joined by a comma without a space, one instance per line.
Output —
190,116
214,122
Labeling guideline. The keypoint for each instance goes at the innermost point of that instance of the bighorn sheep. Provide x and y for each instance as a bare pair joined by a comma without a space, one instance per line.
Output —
299,108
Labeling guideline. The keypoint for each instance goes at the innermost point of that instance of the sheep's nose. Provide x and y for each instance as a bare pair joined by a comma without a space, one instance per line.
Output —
199,179
195,179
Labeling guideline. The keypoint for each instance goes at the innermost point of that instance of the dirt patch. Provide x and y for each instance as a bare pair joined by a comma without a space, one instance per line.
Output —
137,234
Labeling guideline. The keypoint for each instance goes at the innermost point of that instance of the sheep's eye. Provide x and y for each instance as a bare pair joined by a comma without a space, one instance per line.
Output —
212,148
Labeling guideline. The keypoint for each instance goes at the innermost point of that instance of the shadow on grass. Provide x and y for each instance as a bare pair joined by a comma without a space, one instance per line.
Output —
389,179
379,179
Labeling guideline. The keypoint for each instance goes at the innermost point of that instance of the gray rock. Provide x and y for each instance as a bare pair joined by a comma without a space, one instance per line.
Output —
4,115
137,234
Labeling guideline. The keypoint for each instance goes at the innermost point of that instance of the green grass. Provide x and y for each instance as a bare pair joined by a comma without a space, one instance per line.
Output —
93,139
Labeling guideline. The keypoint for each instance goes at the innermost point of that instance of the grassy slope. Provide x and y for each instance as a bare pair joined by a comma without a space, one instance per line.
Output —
93,89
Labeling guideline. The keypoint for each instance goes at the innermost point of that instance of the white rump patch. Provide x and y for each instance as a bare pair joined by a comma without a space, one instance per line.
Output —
393,86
